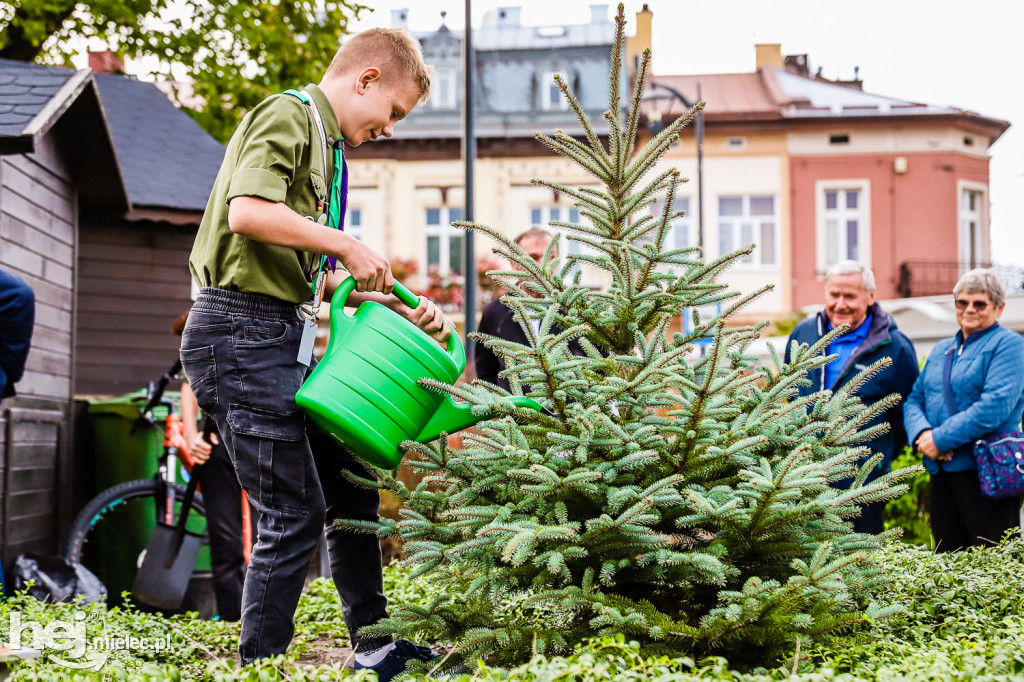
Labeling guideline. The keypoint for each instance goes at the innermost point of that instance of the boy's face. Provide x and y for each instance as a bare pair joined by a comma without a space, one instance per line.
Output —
376,106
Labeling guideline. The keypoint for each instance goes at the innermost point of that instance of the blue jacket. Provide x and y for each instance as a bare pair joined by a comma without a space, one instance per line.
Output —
884,339
17,317
987,380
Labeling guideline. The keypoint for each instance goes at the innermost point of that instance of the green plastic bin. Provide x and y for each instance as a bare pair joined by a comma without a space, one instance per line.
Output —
122,455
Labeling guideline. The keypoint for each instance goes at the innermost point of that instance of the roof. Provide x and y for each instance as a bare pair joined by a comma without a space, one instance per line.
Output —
154,154
513,71
167,159
775,93
26,90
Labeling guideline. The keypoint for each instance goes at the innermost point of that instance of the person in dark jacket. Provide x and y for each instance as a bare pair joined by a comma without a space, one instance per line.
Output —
497,319
872,335
17,317
986,383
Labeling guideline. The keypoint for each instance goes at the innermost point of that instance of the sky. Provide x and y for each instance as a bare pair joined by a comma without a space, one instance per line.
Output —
943,52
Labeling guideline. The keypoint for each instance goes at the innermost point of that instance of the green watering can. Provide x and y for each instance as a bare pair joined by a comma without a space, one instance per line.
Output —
364,391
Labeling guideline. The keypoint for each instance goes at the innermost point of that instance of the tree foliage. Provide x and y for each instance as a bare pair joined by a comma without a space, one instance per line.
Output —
227,55
683,500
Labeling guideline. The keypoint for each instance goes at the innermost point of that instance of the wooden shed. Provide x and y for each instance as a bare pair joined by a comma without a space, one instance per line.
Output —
102,186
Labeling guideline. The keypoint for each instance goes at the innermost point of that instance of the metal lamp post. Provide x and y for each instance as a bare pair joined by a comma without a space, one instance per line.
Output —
470,151
655,126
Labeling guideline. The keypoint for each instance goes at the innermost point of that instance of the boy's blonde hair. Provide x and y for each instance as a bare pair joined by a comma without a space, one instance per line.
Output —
392,50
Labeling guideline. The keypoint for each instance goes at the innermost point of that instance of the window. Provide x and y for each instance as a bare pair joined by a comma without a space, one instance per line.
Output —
736,143
354,222
973,237
843,222
442,89
746,220
445,249
839,139
682,234
550,96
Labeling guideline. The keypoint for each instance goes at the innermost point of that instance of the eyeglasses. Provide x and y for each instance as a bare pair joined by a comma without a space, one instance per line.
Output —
961,304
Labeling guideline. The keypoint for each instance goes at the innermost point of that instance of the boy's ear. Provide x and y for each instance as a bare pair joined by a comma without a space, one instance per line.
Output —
368,75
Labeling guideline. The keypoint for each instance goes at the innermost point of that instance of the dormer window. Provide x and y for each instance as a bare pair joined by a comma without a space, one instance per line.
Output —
442,89
551,96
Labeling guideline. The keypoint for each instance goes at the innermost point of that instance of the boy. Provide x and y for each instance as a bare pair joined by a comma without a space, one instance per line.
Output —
247,340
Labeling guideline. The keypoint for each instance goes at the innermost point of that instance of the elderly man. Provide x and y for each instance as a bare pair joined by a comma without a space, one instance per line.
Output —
497,319
870,336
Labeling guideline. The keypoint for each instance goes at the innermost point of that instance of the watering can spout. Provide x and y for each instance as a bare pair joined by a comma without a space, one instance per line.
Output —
452,416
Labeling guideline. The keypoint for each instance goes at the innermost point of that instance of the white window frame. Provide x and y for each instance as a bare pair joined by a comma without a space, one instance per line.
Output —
441,98
685,224
863,215
444,231
563,213
756,260
357,230
546,84
983,245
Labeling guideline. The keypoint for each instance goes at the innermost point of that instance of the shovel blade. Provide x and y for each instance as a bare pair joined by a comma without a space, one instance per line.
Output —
166,568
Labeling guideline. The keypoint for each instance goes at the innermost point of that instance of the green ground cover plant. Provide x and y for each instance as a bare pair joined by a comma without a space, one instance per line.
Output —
958,616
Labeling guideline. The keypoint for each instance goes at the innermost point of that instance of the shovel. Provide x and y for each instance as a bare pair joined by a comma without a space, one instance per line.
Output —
170,557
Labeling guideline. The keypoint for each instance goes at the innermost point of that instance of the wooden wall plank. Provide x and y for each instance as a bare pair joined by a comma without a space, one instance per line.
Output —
38,225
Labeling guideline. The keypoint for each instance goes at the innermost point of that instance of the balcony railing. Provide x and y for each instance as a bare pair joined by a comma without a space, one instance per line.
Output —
935,278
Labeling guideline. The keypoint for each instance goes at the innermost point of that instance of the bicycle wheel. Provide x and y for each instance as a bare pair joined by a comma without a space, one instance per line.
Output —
109,536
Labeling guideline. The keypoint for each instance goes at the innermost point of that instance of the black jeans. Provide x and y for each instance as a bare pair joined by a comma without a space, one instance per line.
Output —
963,516
239,353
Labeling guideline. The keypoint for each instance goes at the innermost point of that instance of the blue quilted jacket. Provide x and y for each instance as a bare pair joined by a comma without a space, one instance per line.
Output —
987,380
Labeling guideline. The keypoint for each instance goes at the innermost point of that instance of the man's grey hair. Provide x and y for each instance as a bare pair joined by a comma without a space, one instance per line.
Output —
853,267
533,232
982,280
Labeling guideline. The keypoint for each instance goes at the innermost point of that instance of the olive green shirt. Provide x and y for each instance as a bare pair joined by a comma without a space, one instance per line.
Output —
275,154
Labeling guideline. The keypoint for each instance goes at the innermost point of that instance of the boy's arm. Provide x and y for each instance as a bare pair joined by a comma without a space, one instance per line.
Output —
275,223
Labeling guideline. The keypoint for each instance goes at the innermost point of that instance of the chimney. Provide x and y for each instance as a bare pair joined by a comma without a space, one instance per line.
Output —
509,16
400,18
768,55
636,44
598,14
105,62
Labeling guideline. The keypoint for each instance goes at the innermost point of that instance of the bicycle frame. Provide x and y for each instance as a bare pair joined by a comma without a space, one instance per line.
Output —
176,448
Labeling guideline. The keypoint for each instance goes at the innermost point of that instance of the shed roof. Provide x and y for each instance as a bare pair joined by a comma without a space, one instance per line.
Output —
161,157
167,159
25,89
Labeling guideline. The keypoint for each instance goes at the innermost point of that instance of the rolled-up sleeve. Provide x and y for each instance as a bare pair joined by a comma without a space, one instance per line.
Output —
273,143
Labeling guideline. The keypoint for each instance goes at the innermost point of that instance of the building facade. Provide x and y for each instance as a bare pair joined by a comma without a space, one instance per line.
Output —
808,170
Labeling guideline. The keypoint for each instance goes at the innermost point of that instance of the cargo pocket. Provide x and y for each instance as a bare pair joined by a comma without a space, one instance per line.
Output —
200,365
272,457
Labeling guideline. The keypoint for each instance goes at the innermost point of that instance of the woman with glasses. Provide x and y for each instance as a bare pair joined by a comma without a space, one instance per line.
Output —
972,386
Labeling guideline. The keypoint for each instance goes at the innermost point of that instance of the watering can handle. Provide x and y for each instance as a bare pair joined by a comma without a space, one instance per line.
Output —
455,348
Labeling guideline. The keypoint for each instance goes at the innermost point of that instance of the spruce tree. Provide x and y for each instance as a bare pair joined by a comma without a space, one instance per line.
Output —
681,500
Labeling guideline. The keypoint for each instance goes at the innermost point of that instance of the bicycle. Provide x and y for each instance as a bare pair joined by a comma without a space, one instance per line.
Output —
110,534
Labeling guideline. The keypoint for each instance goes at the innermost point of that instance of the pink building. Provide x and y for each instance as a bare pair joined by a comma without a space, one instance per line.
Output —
815,171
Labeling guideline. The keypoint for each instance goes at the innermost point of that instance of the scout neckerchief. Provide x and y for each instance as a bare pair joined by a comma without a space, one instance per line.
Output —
334,217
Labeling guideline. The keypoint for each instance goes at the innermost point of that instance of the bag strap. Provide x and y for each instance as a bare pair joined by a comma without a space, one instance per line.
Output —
947,389
335,198
313,114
